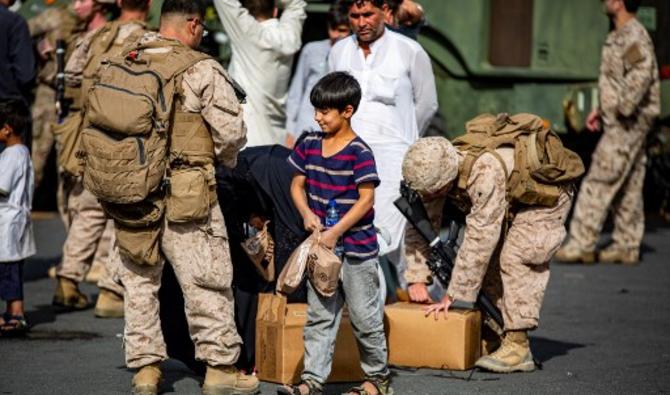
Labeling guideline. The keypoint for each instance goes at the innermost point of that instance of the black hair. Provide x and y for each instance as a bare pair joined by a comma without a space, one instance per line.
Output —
393,5
350,3
135,5
260,8
15,114
337,15
632,5
184,7
336,90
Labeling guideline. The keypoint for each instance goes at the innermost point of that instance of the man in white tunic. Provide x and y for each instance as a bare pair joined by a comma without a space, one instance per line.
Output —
399,99
263,49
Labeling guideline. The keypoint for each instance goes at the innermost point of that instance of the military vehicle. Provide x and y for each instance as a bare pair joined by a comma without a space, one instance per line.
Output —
539,56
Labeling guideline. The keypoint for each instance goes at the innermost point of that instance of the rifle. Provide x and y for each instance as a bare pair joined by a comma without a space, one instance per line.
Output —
443,254
62,103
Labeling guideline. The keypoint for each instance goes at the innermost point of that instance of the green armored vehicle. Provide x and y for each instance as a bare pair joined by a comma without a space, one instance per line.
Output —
538,56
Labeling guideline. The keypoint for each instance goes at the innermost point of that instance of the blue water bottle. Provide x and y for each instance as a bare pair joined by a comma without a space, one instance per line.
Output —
332,217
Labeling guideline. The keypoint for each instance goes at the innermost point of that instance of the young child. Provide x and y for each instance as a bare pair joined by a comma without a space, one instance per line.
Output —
337,165
312,65
16,195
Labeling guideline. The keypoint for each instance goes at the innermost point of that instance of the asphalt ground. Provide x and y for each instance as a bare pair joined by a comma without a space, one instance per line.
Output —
603,330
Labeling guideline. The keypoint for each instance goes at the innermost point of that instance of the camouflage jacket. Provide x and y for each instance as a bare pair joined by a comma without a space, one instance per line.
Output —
207,90
629,82
48,27
486,190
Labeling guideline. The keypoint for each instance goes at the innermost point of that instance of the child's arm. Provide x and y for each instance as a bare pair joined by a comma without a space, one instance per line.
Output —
363,205
310,220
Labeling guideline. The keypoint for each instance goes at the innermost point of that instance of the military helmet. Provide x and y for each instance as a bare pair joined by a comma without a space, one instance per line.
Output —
430,164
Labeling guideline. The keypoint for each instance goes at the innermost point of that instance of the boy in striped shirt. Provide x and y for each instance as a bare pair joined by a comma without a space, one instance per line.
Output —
337,165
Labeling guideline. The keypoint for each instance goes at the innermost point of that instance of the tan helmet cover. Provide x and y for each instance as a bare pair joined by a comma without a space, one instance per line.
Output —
430,164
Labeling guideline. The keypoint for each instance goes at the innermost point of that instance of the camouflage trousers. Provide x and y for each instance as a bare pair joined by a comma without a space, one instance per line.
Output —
516,278
614,182
44,117
200,256
88,239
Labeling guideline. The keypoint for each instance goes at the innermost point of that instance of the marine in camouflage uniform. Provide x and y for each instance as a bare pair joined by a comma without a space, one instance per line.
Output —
198,252
51,25
629,103
90,232
508,258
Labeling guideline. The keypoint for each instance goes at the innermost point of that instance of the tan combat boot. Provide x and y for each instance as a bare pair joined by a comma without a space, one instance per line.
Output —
109,305
227,380
147,380
68,295
614,254
513,356
572,254
95,273
491,340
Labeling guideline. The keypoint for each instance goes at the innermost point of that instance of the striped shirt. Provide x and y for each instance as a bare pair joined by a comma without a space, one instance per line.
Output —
337,177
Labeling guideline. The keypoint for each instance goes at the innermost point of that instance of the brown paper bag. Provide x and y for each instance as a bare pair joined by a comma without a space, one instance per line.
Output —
323,269
291,276
260,250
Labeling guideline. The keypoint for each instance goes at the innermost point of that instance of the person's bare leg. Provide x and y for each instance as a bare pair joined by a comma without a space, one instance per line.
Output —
15,307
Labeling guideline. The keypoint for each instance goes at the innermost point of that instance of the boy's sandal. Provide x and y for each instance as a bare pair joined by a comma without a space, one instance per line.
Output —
314,389
14,325
381,384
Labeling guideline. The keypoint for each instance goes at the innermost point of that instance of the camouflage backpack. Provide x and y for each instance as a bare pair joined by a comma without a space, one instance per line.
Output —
103,44
541,163
125,135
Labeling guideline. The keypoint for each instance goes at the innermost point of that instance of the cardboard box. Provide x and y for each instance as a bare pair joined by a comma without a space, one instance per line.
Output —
422,342
280,347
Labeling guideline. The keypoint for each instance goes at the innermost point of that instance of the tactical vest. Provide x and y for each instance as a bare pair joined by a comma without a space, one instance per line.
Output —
542,165
143,156
128,117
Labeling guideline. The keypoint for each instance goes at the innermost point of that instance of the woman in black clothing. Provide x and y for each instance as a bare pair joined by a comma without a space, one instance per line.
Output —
255,191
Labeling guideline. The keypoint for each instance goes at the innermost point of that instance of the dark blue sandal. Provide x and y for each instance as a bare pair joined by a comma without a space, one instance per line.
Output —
15,325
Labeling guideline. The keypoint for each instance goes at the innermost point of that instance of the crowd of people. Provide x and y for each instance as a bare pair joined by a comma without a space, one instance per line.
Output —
165,156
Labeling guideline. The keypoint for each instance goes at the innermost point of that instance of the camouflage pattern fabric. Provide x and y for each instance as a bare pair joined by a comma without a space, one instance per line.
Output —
198,252
516,262
629,103
88,236
89,231
110,281
430,164
200,257
48,27
44,117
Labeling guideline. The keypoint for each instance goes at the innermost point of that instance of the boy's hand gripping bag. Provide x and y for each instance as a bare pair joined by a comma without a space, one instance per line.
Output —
323,268
291,276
